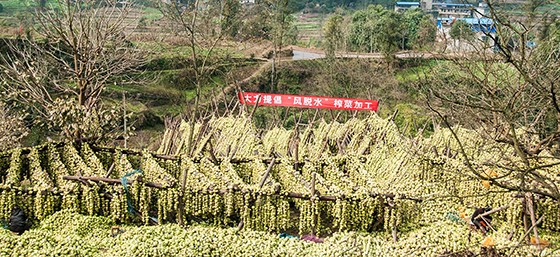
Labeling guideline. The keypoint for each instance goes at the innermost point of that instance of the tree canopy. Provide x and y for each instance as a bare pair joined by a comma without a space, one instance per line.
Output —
377,29
461,30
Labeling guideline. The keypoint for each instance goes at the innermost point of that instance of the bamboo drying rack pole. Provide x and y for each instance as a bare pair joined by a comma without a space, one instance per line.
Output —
328,198
526,234
492,211
314,224
110,181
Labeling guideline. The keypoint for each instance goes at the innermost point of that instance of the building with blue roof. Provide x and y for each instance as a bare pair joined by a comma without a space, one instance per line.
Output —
403,6
443,9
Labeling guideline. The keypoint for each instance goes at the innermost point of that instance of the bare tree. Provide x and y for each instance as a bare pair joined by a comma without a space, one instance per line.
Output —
196,22
12,128
510,93
506,91
78,47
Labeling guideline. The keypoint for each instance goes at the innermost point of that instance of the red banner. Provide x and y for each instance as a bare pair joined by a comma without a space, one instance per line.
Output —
320,102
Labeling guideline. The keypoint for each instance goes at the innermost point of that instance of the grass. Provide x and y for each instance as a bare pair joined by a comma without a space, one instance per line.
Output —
205,90
13,6
308,26
169,89
316,19
151,13
150,91
162,50
410,75
310,42
167,110
553,8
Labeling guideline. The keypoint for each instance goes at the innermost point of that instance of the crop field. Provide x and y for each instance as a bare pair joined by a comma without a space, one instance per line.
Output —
310,29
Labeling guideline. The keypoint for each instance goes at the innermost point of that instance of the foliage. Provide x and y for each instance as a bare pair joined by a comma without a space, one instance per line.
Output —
365,27
272,20
334,35
364,78
461,30
426,34
282,22
358,78
377,29
230,22
293,32
413,119
420,29
257,24
151,13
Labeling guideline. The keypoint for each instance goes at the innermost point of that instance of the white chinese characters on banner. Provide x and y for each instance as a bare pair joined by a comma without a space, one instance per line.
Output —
277,99
308,101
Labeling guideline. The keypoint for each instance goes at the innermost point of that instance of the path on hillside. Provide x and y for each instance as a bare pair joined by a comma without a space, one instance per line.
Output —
301,53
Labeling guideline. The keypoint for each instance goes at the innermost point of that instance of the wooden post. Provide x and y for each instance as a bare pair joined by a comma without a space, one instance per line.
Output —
261,184
394,229
524,213
492,211
242,106
181,202
255,108
285,116
313,177
296,153
112,166
110,170
310,124
314,225
391,204
212,155
483,215
387,125
526,234
277,118
265,176
530,205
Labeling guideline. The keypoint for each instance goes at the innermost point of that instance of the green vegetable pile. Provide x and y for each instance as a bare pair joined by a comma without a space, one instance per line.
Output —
69,234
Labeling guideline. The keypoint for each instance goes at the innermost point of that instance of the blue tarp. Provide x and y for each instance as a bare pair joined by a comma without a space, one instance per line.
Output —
408,3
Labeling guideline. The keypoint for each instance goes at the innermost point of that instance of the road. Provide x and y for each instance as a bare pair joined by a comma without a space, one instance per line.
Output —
301,53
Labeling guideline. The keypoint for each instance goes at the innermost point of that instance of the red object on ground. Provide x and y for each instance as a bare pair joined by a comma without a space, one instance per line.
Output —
300,101
312,238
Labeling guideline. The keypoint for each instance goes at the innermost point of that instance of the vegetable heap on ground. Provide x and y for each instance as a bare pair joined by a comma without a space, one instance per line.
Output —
70,234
